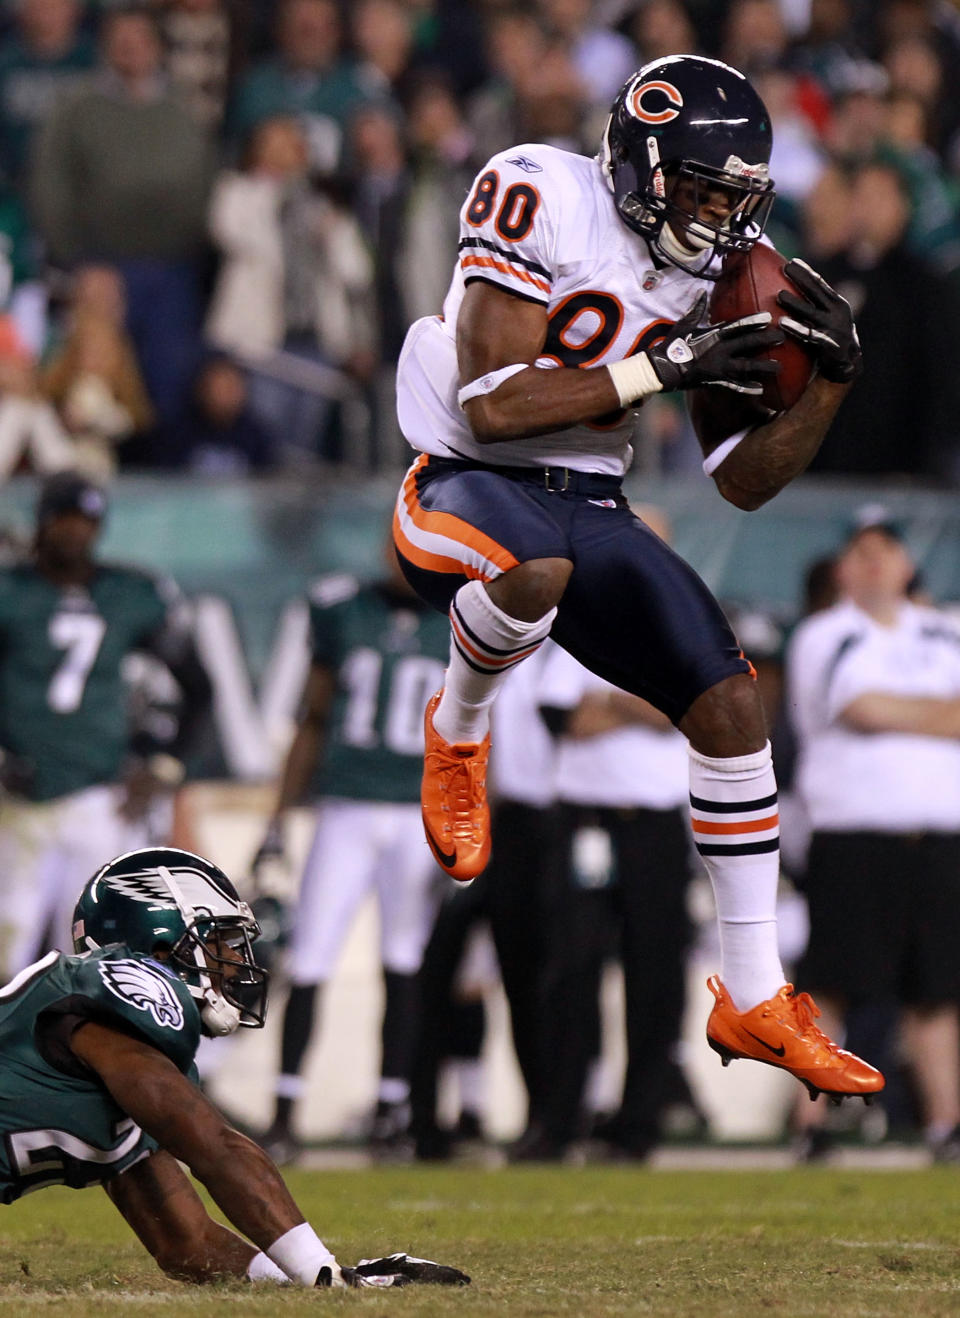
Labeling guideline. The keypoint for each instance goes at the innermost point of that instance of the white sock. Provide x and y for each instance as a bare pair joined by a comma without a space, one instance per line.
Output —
736,828
485,643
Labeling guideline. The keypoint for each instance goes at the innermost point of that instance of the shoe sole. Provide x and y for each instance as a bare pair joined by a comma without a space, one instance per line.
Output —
836,1096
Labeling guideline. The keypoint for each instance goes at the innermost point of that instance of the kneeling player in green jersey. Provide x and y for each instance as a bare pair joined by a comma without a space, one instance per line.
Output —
96,1079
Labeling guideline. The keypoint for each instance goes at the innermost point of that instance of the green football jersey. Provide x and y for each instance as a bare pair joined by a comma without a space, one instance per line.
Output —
58,1123
63,705
389,651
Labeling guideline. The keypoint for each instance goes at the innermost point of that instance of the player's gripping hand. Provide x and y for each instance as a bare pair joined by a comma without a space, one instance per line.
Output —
724,354
823,323
396,1270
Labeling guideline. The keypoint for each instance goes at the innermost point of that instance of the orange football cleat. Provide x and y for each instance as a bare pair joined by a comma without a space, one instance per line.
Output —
781,1032
453,798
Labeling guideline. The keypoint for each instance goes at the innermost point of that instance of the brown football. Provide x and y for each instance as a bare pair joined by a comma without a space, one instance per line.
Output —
749,283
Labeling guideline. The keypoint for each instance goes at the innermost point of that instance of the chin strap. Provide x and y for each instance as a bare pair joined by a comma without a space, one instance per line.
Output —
219,1016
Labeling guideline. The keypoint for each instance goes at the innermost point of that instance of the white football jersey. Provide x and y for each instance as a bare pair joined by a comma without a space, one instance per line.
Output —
541,223
889,782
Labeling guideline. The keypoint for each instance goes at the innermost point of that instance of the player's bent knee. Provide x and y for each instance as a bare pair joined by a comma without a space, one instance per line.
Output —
727,719
531,589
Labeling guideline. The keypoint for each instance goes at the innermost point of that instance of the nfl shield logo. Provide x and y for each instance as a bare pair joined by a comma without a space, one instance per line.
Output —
651,279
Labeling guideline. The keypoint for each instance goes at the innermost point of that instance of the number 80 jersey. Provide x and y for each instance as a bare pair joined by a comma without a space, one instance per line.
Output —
541,224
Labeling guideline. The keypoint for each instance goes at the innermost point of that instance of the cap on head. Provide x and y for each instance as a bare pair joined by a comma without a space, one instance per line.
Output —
873,517
69,492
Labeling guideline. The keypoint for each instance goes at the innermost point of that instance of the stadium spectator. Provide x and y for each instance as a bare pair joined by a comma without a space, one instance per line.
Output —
220,436
754,35
71,780
905,418
357,751
31,434
659,28
874,686
47,56
602,59
440,149
93,377
381,185
23,293
121,175
826,221
383,37
829,50
201,42
525,62
309,77
294,299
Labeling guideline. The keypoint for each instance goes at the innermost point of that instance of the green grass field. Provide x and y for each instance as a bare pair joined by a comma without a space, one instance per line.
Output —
590,1242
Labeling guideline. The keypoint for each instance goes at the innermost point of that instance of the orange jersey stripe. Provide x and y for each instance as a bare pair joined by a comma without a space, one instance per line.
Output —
489,262
453,528
744,826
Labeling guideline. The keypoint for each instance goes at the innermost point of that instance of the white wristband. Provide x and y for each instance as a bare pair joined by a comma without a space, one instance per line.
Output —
260,1268
300,1253
712,461
487,383
634,378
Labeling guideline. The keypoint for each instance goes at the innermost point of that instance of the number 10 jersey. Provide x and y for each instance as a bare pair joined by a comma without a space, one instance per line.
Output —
541,224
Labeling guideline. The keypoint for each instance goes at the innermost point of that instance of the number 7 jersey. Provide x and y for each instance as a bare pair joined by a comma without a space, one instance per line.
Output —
541,224
63,708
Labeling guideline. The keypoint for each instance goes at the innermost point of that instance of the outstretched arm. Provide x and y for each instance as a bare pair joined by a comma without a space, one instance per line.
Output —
159,1203
161,1206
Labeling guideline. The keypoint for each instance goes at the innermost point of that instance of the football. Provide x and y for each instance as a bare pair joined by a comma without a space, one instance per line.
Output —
750,282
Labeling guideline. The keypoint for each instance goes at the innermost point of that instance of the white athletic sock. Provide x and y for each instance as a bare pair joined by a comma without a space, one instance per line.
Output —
485,643
736,828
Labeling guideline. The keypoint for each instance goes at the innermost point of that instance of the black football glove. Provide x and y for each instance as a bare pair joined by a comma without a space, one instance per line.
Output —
272,848
823,324
692,355
396,1270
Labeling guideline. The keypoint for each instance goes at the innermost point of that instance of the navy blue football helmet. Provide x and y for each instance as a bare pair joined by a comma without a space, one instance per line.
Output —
699,121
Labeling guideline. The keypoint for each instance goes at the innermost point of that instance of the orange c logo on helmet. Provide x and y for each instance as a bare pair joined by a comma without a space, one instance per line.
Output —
666,89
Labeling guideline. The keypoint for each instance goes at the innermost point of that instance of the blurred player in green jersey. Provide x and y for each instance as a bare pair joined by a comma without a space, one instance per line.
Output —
375,651
72,787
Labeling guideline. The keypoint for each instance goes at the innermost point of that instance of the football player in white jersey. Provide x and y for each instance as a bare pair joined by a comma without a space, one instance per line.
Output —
513,518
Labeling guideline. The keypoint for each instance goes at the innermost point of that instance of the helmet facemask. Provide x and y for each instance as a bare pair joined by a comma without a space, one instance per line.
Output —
649,209
214,958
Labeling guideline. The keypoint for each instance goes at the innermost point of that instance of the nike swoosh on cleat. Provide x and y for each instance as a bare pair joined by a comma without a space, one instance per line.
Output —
445,858
777,1052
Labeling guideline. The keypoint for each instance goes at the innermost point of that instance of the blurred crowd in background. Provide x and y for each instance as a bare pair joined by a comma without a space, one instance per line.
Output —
217,217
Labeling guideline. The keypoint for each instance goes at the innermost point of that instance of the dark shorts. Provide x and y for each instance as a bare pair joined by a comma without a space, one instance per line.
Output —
884,917
633,612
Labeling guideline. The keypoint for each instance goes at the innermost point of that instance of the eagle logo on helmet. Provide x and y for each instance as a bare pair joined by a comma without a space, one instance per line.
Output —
644,113
145,989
